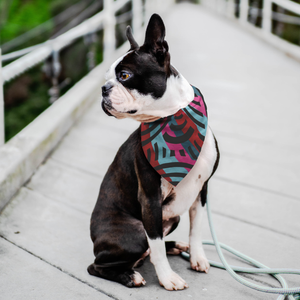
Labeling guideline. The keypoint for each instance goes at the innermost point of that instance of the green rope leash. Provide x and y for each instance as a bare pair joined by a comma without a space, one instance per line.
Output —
292,293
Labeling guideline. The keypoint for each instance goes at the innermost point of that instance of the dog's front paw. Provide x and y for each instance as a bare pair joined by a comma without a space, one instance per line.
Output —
199,263
172,281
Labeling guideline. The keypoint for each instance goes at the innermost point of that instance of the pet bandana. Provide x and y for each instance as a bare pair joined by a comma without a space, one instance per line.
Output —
173,144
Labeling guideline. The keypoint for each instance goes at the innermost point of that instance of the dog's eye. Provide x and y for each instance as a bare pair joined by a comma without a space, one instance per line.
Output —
124,75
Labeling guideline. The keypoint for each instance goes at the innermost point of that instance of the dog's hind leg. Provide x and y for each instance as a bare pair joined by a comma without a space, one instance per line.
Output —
126,276
108,266
116,254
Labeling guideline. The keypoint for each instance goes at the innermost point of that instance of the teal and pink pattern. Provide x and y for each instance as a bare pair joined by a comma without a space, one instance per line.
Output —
173,144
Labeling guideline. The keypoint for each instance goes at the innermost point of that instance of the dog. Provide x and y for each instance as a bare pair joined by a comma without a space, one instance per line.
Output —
138,204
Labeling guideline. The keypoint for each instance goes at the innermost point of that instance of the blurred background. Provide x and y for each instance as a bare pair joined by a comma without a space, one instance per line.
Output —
27,23
24,24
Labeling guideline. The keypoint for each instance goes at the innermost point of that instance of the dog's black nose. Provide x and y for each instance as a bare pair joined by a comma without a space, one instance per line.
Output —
106,88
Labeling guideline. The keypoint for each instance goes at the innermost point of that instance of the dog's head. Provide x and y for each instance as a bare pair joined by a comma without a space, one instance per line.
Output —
142,84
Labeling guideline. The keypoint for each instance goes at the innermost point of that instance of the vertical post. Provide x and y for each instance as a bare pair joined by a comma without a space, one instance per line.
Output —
90,40
244,7
55,68
267,17
109,40
230,8
2,136
136,15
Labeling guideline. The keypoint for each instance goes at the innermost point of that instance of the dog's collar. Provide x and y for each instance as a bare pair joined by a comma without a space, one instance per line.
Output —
173,144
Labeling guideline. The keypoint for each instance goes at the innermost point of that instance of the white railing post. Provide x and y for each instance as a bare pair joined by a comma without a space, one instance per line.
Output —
244,7
230,8
137,14
1,105
267,17
109,40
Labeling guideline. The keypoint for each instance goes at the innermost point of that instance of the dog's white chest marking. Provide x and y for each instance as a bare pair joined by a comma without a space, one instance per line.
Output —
188,189
185,195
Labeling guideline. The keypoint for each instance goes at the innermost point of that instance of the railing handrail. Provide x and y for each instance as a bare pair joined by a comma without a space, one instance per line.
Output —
106,20
20,156
227,7
93,24
34,57
70,12
39,53
2,137
289,5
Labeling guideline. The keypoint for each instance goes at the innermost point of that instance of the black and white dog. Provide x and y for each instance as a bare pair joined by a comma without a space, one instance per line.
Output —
137,207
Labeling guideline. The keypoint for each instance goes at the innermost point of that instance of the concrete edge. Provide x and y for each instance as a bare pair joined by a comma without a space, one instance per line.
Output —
20,156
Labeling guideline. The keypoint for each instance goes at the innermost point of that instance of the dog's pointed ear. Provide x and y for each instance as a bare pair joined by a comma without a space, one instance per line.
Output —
133,44
155,37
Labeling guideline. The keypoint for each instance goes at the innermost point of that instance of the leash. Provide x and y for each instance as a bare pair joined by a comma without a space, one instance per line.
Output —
292,293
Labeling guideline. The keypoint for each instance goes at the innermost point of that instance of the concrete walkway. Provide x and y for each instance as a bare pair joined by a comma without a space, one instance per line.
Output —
253,96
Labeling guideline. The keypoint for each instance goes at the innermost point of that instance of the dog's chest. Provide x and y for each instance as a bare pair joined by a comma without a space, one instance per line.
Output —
186,192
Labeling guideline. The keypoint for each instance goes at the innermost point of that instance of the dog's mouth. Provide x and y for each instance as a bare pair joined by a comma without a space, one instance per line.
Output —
131,112
106,107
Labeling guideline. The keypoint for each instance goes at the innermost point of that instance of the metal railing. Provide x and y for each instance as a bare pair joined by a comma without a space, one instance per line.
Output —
230,8
105,20
1,107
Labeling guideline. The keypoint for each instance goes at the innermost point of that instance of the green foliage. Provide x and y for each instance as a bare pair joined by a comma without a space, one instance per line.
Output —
27,96
20,115
291,33
19,16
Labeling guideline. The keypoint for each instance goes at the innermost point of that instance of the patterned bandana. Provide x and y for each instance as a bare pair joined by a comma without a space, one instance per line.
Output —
173,144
